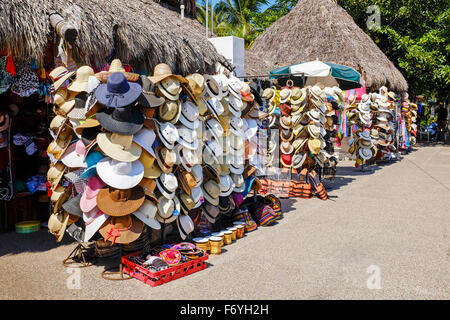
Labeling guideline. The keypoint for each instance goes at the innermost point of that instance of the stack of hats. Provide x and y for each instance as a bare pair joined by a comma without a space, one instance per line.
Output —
135,152
383,124
409,115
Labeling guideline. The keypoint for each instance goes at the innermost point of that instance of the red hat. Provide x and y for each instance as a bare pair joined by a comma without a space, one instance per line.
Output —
285,109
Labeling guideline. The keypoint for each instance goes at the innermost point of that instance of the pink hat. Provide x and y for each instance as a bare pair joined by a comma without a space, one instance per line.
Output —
238,198
88,200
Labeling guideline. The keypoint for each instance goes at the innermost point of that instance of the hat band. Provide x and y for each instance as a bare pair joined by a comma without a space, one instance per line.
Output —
165,89
113,97
182,229
59,76
184,206
207,213
98,214
163,187
114,233
210,89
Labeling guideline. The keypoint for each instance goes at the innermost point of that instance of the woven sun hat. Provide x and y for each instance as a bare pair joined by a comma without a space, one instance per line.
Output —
123,230
211,192
186,158
170,111
145,138
189,115
117,91
57,224
365,134
246,93
168,209
286,134
119,174
126,120
185,226
167,184
234,87
285,94
119,147
78,111
286,147
187,138
60,75
120,202
88,199
146,213
298,95
148,98
169,87
187,203
314,115
314,130
314,146
73,157
196,83
214,149
215,128
88,123
210,212
166,158
167,133
286,122
365,153
364,117
382,118
226,186
57,147
80,83
268,94
298,159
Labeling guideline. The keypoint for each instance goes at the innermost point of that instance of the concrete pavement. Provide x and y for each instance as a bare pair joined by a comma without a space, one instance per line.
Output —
381,235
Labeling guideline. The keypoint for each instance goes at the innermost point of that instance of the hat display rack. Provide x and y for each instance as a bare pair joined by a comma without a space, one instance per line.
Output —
408,124
301,125
138,161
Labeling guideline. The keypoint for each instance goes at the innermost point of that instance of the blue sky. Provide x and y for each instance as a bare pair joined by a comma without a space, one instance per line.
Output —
269,3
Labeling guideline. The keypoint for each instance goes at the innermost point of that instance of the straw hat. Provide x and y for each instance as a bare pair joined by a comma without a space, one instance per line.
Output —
298,159
286,135
166,158
189,115
314,130
286,147
314,146
167,184
119,174
196,84
168,134
185,226
149,186
170,111
365,153
119,147
246,93
168,209
364,117
59,76
81,80
268,94
120,202
122,230
285,94
188,138
148,98
73,157
365,134
211,191
235,86
146,213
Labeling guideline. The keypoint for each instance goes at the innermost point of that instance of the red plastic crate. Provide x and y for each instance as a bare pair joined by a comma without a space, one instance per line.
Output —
157,278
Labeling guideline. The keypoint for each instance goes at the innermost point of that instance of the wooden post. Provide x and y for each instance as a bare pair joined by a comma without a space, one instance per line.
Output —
63,28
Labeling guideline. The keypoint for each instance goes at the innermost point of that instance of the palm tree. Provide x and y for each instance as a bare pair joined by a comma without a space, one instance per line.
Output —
233,17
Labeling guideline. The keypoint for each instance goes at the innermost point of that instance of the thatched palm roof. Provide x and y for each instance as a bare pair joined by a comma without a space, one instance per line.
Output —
321,29
140,31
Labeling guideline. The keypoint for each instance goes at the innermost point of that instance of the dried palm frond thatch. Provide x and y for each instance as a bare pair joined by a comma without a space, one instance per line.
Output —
321,29
140,32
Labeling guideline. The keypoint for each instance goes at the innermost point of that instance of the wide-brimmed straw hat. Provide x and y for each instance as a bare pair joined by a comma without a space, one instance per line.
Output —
120,202
119,174
119,147
168,209
126,120
80,83
148,98
60,75
122,230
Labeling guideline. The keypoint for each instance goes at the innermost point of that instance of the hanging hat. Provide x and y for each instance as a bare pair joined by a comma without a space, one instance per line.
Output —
145,138
162,71
120,202
226,186
246,93
299,142
80,83
78,110
119,174
365,134
268,94
126,121
189,115
365,153
286,122
55,173
148,97
167,184
285,109
168,209
57,125
88,199
364,117
234,87
185,226
210,211
314,146
286,147
250,128
186,158
117,92
238,181
59,76
146,213
57,224
72,206
186,179
285,94
211,192
170,111
236,127
298,159
286,135
119,147
168,134
151,168
314,130
57,147
186,203
196,84
298,95
166,158
188,138
124,229
91,162
214,86
236,166
314,115
235,106
88,123
116,66
93,220
215,107
214,127
286,160
73,157
197,196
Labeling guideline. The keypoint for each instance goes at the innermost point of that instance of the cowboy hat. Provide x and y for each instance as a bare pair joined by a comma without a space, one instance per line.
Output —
124,230
196,83
168,209
167,133
365,153
213,86
364,117
166,158
57,224
119,147
170,111
148,98
365,134
185,226
285,94
168,86
298,159
211,192
236,127
314,146
119,174
186,179
146,213
234,87
226,186
167,184
120,202
149,186
189,115
286,147
214,127
286,160
186,202
187,138
287,134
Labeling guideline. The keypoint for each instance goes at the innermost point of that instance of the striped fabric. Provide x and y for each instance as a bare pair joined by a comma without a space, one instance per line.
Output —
318,186
266,216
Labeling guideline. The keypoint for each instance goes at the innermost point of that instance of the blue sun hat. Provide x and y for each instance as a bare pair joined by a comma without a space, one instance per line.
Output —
91,161
117,91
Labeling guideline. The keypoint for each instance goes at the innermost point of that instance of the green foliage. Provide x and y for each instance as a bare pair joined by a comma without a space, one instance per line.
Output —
415,35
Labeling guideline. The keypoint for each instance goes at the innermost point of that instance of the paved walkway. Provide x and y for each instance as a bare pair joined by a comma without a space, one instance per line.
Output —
388,229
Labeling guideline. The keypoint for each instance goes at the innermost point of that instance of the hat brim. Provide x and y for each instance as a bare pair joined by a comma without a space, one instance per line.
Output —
116,151
150,100
151,222
120,208
94,226
188,124
121,127
167,195
119,181
71,159
126,236
121,100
